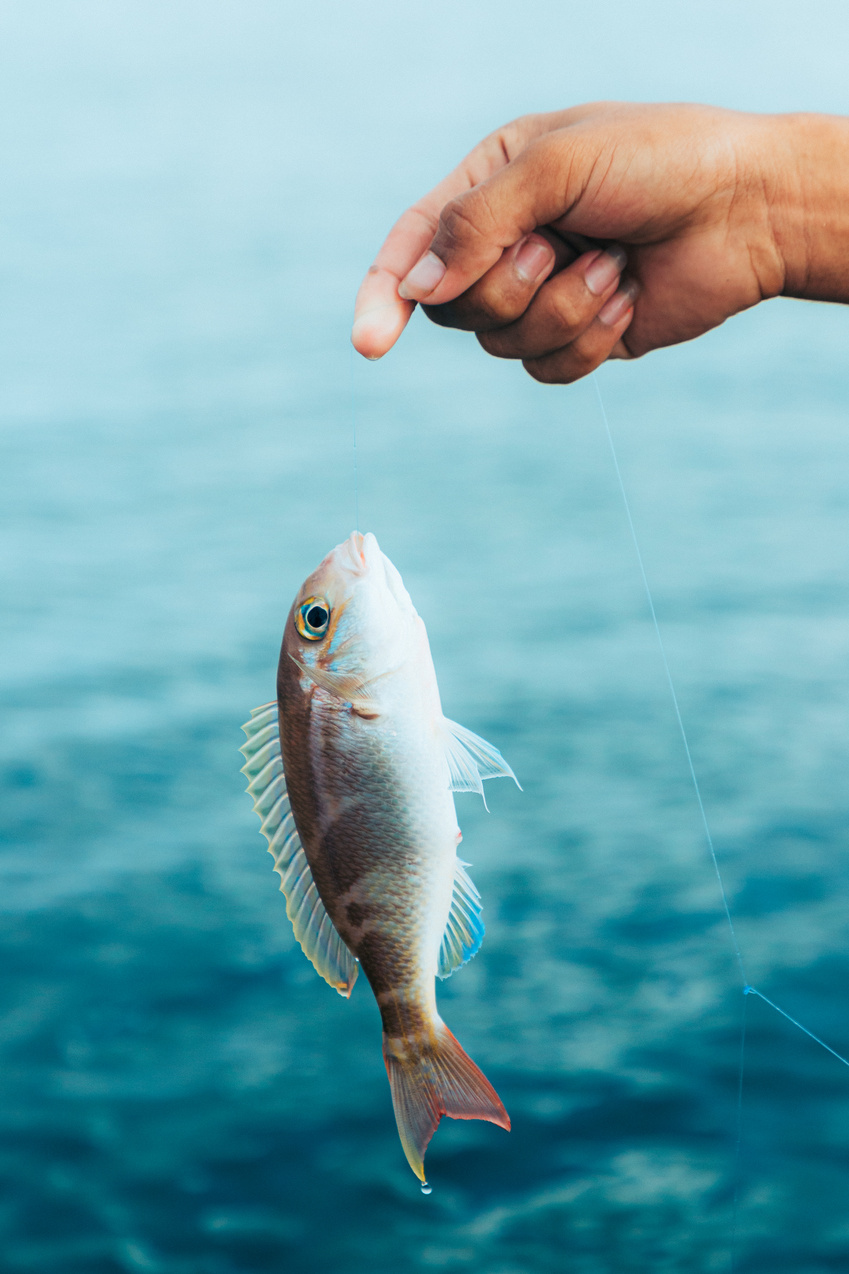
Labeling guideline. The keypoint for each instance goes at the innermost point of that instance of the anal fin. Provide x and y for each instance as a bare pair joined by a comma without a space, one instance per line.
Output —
464,930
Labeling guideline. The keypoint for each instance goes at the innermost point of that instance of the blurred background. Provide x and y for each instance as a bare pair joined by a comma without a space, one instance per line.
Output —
190,194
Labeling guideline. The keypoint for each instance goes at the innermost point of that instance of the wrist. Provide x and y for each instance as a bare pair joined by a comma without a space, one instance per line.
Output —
807,190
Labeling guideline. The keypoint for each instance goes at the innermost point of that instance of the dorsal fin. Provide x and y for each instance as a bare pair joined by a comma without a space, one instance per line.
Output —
313,927
464,930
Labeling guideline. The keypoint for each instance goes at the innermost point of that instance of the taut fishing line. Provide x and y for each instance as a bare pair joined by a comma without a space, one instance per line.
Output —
354,446
748,989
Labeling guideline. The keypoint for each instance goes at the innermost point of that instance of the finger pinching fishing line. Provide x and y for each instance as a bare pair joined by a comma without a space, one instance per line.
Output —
747,988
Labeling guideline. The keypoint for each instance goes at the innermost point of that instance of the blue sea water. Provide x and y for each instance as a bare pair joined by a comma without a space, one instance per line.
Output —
190,194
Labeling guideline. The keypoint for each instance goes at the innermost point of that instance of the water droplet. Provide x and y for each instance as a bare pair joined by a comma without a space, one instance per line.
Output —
426,1189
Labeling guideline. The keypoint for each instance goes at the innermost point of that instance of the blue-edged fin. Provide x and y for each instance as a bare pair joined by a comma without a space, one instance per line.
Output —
464,931
471,759
313,927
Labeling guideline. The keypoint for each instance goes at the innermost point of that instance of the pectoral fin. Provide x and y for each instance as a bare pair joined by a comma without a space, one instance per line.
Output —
471,759
314,929
341,685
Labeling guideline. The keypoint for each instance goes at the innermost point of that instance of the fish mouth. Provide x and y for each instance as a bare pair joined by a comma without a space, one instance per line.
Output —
360,553
360,556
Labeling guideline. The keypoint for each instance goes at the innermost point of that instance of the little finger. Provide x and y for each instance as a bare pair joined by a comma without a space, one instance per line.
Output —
592,347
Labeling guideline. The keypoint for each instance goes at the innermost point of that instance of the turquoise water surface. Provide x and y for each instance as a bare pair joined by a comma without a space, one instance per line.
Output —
190,194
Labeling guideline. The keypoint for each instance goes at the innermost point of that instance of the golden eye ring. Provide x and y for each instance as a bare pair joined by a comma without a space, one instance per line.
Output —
312,618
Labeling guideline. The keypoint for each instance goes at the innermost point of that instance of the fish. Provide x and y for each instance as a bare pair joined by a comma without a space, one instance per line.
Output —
352,770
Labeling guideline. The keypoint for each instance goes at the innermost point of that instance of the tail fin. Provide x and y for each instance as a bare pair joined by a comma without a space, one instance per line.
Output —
427,1083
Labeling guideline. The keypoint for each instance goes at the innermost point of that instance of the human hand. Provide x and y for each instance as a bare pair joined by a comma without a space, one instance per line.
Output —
600,232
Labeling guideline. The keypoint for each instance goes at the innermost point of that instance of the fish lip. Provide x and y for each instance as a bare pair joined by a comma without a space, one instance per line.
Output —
395,584
348,556
359,553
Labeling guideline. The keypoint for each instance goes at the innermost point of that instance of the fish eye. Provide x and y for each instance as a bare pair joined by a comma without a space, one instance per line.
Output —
312,618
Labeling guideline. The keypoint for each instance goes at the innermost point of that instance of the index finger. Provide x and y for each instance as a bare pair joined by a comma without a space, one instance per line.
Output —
380,314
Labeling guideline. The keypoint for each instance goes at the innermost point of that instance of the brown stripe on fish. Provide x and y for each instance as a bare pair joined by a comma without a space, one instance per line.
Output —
352,846
386,962
406,1020
356,914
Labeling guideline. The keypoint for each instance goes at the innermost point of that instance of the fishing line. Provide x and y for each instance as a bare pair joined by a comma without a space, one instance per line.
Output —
672,691
750,990
354,440
747,988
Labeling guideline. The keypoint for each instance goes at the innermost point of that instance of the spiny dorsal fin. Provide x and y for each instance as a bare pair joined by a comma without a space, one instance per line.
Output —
313,927
471,759
464,930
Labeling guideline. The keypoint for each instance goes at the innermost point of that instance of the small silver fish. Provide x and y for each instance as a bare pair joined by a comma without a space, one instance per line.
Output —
352,771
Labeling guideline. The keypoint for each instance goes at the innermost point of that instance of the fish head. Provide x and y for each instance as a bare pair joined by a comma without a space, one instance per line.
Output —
353,616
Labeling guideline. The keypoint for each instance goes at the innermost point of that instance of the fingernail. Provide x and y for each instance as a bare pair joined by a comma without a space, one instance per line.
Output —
423,278
605,269
619,303
534,257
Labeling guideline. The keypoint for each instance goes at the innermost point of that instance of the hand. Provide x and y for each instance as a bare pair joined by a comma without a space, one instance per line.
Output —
600,232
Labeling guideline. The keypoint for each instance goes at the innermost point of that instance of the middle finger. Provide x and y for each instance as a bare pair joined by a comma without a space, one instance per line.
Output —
562,309
508,287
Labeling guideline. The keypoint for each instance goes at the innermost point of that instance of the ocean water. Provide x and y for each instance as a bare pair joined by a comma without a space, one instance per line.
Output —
190,194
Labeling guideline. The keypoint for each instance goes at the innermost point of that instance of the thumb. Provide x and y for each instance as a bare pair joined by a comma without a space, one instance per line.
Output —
537,187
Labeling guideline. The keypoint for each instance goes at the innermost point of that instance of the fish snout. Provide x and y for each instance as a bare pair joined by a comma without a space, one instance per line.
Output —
360,553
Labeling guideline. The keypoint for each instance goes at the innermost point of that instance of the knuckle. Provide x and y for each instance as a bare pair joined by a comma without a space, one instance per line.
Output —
587,359
545,153
563,367
567,311
582,362
463,220
515,135
570,374
421,218
494,343
492,309
542,370
489,305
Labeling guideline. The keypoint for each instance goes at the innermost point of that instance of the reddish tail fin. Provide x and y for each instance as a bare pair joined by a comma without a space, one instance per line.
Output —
432,1081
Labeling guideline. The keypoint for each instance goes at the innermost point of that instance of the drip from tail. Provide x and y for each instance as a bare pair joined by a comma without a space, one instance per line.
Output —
432,1079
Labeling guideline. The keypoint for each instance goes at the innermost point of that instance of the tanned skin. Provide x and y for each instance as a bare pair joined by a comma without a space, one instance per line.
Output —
610,230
